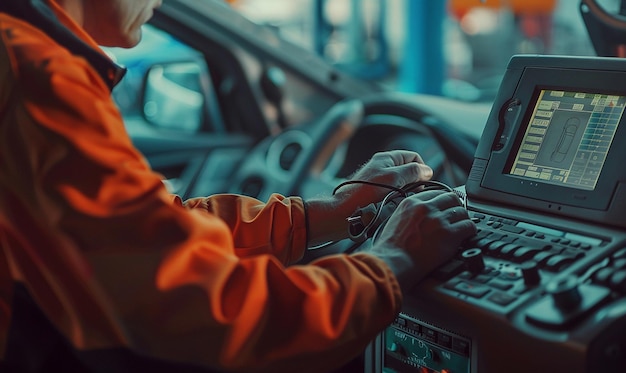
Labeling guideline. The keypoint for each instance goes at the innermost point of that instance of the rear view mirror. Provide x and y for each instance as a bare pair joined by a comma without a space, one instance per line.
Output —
173,98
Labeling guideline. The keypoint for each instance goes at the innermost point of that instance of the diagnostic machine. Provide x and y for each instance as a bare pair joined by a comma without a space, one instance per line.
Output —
542,286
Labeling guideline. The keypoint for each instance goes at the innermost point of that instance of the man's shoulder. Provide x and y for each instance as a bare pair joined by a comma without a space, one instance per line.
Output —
24,41
32,56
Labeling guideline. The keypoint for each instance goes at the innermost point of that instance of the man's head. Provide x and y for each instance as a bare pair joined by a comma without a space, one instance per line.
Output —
112,23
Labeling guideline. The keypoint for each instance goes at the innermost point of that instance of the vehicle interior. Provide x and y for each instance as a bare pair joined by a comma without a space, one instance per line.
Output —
514,105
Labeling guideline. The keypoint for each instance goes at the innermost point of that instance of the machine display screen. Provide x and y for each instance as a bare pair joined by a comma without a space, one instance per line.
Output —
568,138
556,139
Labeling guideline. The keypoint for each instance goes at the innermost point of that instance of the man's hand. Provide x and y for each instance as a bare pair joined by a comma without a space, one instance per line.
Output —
397,168
423,232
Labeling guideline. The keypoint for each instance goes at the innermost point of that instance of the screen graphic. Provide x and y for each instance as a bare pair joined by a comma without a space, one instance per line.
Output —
568,138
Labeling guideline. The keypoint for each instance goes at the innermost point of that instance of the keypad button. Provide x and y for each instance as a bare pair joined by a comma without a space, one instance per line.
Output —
472,290
507,250
542,257
617,281
602,276
524,253
501,285
558,262
620,263
502,299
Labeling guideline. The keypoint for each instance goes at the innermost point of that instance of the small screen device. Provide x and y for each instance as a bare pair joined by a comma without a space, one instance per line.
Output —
555,140
567,138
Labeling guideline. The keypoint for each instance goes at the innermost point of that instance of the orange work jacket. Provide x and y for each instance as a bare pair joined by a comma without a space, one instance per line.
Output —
113,260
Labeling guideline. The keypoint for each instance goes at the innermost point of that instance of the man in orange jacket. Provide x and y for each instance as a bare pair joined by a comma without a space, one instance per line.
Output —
93,243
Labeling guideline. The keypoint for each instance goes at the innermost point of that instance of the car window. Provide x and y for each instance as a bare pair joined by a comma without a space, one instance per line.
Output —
165,84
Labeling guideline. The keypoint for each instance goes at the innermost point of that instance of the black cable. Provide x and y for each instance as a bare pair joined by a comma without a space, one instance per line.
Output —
395,192
372,183
405,191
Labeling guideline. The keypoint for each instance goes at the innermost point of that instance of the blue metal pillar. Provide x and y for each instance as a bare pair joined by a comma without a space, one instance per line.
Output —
320,30
422,68
355,32
357,62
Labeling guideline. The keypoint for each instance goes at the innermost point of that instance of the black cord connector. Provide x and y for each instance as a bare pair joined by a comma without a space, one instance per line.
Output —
366,222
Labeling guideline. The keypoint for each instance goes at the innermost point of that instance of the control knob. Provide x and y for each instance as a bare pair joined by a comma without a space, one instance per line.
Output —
398,349
565,293
474,260
530,272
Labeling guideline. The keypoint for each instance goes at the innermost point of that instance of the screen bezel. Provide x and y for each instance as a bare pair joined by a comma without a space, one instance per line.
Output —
534,80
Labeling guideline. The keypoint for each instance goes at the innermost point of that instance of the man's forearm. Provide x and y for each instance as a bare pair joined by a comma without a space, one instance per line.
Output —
326,220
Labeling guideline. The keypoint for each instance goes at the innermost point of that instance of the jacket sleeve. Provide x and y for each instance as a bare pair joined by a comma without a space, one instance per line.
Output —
276,227
112,261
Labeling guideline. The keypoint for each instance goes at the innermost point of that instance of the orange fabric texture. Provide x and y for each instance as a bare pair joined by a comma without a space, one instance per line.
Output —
114,260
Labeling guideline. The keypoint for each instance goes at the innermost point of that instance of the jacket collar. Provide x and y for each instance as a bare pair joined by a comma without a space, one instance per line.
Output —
47,16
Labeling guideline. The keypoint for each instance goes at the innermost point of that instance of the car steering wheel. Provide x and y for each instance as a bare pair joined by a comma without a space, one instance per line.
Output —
290,161
607,31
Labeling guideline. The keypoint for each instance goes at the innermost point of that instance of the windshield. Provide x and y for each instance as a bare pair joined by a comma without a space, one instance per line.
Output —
455,48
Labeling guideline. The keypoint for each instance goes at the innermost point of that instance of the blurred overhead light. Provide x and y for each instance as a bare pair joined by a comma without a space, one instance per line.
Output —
480,21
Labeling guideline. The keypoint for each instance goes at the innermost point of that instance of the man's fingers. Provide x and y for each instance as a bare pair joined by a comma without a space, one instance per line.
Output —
463,228
413,172
442,199
456,214
409,157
